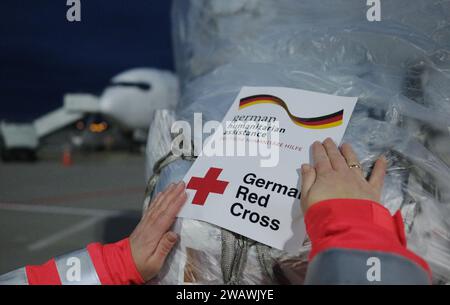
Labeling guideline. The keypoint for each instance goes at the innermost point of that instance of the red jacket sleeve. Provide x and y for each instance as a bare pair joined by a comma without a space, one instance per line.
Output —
358,225
113,264
45,274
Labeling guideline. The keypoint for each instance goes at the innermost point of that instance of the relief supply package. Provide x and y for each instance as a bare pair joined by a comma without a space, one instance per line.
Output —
398,68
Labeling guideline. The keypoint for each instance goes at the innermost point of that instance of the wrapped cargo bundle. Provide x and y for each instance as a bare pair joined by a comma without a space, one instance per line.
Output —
400,70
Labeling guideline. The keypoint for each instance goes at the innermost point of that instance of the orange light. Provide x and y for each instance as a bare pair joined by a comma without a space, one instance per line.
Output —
97,128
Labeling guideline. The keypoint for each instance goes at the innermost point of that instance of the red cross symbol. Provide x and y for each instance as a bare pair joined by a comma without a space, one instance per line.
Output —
206,185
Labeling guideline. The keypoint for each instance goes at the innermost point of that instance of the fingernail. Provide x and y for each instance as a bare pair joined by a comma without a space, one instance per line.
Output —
180,184
305,168
172,237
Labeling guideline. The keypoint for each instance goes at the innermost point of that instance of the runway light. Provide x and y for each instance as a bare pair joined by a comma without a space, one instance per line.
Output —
98,127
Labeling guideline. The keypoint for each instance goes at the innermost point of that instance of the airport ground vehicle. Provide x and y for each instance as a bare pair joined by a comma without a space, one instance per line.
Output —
18,142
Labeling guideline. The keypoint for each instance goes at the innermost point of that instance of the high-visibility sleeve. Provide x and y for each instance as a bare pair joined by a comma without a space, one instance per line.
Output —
114,263
110,264
350,231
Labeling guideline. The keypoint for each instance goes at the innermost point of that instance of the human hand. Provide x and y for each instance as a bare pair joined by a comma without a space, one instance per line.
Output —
151,241
331,176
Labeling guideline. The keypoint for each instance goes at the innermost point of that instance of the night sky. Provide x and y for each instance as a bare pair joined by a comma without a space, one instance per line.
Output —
43,56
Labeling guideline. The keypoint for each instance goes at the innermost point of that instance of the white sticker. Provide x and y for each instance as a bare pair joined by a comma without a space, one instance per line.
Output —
240,193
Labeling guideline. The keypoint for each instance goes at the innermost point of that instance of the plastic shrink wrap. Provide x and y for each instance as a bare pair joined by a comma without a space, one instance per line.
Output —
400,70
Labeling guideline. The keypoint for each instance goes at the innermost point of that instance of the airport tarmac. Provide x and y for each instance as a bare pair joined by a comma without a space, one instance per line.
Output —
47,209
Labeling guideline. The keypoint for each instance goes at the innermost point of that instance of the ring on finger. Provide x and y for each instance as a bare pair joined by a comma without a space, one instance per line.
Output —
355,165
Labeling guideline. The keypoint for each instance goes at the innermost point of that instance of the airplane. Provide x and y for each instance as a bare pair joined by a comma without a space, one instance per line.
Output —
123,111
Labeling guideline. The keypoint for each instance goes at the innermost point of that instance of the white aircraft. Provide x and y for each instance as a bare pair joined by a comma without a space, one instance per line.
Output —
133,96
129,101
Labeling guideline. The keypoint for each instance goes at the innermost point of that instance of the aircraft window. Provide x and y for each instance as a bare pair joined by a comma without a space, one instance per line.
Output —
142,86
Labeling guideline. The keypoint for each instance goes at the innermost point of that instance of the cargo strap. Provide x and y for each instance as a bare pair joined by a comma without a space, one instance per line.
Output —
157,169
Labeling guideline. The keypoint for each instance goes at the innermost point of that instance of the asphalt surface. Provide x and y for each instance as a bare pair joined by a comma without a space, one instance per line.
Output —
47,209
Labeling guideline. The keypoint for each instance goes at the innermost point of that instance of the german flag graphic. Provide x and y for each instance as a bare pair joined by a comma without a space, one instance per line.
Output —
323,122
